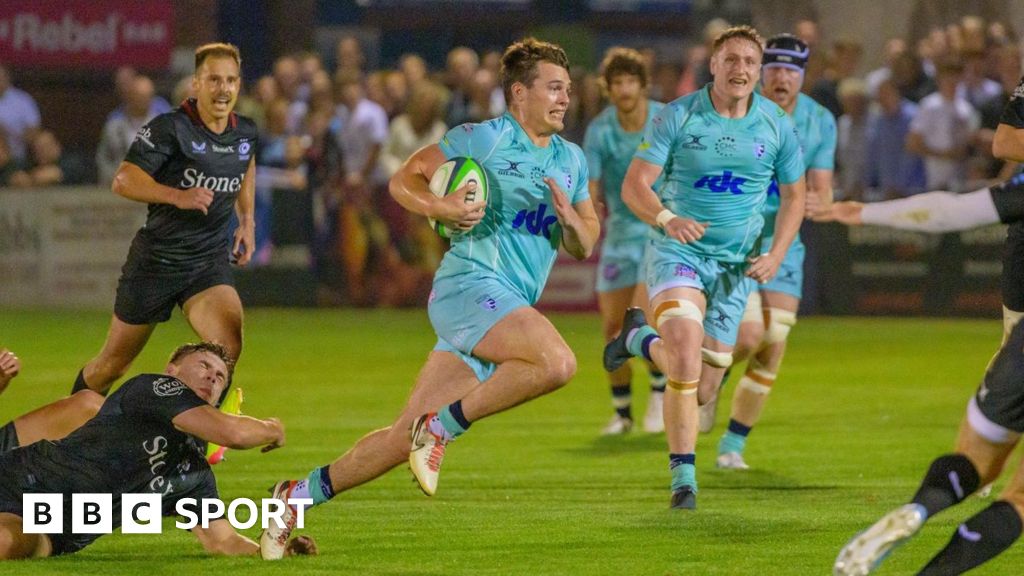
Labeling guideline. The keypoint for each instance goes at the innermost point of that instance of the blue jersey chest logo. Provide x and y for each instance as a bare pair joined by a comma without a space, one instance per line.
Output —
536,221
724,182
773,188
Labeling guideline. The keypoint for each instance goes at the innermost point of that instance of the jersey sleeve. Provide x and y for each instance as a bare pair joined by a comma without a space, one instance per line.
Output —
476,141
1013,112
159,397
592,150
659,136
789,164
824,156
154,144
579,188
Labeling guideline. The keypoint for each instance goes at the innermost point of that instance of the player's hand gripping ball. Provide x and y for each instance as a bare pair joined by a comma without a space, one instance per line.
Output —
451,176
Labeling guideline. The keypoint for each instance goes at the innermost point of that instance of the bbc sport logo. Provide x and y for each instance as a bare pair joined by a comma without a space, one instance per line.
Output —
141,513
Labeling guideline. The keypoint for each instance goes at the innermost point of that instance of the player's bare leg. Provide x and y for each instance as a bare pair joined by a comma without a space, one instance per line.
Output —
15,544
123,344
748,342
215,315
55,420
756,384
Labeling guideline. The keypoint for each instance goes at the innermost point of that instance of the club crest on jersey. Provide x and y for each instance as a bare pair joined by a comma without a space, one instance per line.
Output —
759,150
243,150
199,147
168,387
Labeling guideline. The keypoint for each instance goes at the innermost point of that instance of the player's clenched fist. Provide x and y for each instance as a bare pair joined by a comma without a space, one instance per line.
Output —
685,230
455,213
9,367
194,199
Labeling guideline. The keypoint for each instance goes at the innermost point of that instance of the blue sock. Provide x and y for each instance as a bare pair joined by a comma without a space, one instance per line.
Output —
316,486
684,470
453,420
734,439
640,340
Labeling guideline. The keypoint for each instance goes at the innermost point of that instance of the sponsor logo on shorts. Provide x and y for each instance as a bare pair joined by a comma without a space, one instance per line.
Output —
199,147
611,271
718,319
685,271
168,387
487,303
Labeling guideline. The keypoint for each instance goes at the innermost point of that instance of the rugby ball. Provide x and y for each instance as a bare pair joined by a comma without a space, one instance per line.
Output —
451,176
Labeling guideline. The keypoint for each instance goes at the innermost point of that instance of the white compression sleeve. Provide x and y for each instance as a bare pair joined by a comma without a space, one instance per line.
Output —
934,212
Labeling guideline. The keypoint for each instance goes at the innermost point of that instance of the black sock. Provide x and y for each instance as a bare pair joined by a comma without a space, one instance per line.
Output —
622,397
8,437
981,538
950,479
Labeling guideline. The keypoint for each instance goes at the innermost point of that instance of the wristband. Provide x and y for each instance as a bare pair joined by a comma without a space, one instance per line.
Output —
664,217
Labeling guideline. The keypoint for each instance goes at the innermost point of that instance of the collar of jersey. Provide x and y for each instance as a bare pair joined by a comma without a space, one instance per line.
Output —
522,135
705,98
191,109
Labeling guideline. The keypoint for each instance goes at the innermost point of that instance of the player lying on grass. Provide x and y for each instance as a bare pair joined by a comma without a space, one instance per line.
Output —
146,438
988,434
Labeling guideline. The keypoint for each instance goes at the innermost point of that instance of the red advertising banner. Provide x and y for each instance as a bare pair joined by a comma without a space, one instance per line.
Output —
86,33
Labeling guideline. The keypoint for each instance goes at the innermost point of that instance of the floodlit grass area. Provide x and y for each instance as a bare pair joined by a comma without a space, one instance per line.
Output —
861,408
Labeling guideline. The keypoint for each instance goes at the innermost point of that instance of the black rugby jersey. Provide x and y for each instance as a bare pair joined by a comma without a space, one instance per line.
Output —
130,446
1013,113
177,150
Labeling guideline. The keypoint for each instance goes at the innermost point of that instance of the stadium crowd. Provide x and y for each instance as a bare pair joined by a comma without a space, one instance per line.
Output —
923,120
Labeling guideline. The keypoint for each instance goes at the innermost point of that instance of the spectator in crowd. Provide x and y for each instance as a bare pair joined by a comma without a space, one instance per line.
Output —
894,48
1008,72
288,75
891,168
462,64
11,172
413,67
481,96
909,75
943,129
349,57
49,166
397,89
120,129
697,70
851,145
19,116
843,62
977,89
253,102
419,126
125,87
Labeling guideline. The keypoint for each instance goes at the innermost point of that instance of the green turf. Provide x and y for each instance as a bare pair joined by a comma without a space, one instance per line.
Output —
861,408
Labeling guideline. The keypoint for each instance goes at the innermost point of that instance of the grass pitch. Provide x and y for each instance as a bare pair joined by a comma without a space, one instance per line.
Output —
860,410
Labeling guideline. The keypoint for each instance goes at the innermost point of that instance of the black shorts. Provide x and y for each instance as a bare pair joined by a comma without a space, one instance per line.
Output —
147,292
1012,280
1000,398
27,470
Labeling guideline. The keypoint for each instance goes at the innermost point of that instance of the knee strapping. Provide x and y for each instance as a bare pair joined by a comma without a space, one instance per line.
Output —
684,388
757,378
716,359
752,313
670,309
778,323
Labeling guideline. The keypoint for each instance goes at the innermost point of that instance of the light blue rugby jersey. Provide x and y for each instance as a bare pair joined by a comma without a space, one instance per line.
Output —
609,150
816,130
717,169
518,239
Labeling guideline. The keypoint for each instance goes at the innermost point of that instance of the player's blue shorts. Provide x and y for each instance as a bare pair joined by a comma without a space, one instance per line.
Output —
723,284
463,308
790,278
620,265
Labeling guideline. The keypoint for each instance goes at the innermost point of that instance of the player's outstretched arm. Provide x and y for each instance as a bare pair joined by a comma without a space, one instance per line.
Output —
134,183
221,538
410,187
233,431
10,365
580,226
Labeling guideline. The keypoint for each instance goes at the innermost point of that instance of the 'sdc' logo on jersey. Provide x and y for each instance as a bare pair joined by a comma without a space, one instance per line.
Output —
168,387
536,221
725,182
